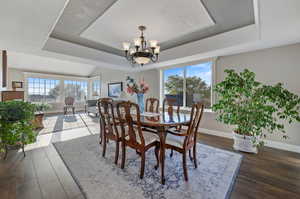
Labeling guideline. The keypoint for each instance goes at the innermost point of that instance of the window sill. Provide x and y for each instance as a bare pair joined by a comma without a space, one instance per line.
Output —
187,109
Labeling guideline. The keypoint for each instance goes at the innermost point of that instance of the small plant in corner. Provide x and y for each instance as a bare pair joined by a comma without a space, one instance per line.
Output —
254,109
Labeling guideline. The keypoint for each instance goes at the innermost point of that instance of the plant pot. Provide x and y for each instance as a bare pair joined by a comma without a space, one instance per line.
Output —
244,143
38,120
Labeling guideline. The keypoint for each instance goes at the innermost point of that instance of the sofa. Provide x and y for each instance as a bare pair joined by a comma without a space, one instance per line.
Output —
91,107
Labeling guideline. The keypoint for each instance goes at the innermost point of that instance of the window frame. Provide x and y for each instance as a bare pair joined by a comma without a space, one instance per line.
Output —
184,66
61,79
82,86
44,88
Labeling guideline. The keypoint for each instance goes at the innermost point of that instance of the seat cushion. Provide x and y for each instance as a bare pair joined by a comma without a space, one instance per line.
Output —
175,140
148,137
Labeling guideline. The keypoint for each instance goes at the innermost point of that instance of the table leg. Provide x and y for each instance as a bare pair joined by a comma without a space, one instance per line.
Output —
162,136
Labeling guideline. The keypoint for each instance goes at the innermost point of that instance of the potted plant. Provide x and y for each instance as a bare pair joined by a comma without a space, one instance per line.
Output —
16,129
40,109
139,89
254,109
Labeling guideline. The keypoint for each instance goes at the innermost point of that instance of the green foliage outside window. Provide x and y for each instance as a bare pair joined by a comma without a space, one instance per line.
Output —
194,86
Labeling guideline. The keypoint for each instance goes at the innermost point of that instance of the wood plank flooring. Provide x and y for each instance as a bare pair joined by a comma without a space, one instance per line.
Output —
42,174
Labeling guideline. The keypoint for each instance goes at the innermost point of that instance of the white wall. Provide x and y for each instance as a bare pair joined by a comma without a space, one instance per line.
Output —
15,75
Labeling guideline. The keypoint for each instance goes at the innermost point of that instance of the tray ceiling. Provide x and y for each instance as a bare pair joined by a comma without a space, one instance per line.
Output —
102,25
162,18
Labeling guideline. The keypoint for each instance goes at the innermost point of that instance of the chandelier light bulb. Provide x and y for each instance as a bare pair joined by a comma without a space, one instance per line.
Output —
153,43
157,50
126,46
137,42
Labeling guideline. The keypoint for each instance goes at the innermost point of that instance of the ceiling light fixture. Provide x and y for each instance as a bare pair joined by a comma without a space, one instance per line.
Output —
141,53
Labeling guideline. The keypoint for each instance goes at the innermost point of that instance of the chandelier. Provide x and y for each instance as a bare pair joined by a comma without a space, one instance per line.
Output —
141,53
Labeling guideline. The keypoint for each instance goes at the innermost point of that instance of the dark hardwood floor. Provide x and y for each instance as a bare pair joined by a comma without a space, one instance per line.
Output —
42,174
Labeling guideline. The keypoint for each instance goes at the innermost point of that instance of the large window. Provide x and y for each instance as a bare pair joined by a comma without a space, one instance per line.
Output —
189,84
43,90
96,88
76,89
173,82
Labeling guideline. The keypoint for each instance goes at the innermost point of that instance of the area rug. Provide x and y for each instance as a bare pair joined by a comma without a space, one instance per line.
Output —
99,177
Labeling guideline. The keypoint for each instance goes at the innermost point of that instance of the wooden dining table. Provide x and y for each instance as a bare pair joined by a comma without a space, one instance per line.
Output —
162,122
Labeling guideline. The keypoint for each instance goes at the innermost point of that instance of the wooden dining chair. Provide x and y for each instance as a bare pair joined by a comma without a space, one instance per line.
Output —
187,139
100,118
109,126
169,104
69,103
137,139
152,105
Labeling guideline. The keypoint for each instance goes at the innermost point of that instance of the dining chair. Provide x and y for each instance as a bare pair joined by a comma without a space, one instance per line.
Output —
110,128
69,103
141,141
186,139
152,105
100,118
170,104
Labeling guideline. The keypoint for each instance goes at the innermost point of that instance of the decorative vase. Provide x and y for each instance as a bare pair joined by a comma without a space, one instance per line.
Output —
140,101
244,143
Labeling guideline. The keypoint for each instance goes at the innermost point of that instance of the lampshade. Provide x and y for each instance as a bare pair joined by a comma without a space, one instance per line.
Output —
153,43
142,60
126,46
137,42
157,50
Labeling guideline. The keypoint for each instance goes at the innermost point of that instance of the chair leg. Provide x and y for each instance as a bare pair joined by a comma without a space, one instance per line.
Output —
185,172
117,152
123,155
100,137
195,156
6,152
171,154
23,150
157,156
104,145
190,155
142,164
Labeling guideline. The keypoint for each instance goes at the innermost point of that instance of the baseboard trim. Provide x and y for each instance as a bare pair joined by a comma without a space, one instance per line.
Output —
269,143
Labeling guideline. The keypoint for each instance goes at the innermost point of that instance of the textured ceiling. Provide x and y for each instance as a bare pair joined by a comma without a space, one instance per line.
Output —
174,21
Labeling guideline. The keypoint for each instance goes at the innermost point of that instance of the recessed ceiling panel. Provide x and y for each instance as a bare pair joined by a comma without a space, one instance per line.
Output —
165,20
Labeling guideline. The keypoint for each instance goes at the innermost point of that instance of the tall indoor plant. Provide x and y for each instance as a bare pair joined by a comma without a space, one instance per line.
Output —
16,129
139,89
253,108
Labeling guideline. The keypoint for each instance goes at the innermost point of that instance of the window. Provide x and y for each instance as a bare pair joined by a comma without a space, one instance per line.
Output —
96,88
173,83
76,89
43,90
189,84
